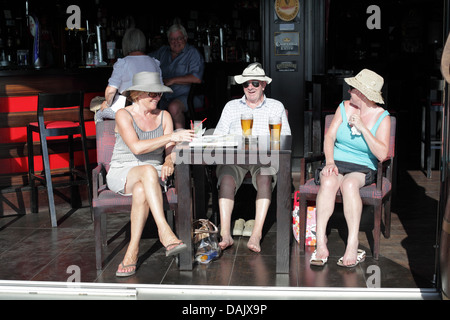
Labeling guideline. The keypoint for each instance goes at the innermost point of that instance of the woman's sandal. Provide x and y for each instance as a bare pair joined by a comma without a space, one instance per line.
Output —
359,258
177,248
314,261
126,274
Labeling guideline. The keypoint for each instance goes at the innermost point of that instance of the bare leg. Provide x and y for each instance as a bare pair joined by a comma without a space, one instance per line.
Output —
263,199
143,182
352,211
226,205
325,203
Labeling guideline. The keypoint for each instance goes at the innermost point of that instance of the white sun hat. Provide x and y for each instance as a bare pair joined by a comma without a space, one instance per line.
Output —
253,72
147,82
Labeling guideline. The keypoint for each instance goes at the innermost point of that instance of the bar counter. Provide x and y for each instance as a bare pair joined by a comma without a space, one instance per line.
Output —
18,105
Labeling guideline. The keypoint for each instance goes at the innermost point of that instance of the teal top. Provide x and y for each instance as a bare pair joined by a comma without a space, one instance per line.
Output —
354,148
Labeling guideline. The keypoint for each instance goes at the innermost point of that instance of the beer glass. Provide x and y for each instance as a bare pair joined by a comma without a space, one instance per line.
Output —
247,124
275,128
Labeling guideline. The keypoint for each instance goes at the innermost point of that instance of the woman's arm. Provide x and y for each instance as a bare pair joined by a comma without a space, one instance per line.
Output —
124,126
378,144
328,144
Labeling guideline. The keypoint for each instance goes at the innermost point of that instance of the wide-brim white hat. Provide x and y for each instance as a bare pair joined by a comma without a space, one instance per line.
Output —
253,72
369,84
147,82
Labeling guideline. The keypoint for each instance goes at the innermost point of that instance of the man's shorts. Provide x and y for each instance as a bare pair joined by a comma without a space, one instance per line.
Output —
239,172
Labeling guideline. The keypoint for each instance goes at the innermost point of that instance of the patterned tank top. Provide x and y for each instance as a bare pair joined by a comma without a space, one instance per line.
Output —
122,153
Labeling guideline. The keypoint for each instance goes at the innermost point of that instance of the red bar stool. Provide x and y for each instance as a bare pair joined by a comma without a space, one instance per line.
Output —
58,120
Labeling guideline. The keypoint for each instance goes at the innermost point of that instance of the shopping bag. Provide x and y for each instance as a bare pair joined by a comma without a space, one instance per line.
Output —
206,241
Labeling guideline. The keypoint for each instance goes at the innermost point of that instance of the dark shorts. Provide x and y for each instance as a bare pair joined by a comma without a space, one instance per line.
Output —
348,167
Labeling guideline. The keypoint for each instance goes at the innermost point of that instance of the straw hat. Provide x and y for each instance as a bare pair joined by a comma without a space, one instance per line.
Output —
253,72
445,62
368,83
147,82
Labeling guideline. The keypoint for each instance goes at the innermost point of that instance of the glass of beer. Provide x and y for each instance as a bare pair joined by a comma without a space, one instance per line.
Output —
247,124
275,128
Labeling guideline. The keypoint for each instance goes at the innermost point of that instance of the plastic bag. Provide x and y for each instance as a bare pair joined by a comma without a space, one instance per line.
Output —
206,242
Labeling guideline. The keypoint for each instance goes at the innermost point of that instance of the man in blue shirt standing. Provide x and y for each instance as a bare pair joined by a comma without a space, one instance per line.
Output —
181,65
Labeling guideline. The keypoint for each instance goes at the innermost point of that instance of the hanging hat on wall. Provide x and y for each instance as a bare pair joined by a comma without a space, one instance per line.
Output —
369,84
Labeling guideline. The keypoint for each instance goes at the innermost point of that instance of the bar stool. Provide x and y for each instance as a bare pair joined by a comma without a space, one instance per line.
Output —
57,120
432,115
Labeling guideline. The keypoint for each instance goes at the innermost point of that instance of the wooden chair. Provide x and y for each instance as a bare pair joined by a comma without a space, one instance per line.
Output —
377,194
107,202
57,121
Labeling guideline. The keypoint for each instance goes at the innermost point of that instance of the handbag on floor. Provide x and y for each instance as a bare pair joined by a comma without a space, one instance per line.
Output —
206,241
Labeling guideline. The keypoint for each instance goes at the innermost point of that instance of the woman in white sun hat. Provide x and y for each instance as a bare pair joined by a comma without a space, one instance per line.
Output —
141,160
356,140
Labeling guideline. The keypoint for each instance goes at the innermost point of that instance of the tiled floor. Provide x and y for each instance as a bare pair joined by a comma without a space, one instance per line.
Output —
31,250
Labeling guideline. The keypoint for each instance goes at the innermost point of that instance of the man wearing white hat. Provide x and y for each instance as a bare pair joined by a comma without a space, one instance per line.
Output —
230,177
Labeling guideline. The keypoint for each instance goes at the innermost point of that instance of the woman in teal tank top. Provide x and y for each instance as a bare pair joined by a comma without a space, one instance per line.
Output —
356,140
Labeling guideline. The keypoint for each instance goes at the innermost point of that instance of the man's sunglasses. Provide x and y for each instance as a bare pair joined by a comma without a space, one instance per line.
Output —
154,94
255,84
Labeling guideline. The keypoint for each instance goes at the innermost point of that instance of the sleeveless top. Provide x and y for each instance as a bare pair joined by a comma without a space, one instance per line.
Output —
122,154
354,148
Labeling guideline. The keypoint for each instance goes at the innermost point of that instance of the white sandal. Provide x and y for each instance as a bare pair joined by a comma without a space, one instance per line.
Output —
238,227
248,228
361,257
314,261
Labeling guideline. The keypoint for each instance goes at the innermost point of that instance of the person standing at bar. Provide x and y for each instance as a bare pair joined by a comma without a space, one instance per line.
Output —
230,177
181,65
135,61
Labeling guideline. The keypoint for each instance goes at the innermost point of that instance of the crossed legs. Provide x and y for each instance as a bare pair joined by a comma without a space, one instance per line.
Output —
143,183
226,205
349,186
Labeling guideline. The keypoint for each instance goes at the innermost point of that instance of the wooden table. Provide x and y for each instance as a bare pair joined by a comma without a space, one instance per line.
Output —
258,151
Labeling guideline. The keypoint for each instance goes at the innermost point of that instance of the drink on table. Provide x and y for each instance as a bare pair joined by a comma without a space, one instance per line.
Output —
275,128
247,124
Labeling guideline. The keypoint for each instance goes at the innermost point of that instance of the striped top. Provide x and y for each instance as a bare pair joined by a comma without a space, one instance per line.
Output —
122,153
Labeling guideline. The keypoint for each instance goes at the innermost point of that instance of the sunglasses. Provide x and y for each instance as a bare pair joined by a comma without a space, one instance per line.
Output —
255,84
154,94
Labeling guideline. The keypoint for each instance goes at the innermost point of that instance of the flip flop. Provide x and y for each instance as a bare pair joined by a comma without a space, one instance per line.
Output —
126,274
314,261
248,228
178,247
238,227
359,258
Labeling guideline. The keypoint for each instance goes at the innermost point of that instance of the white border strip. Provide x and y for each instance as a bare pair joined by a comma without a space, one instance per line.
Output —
71,290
